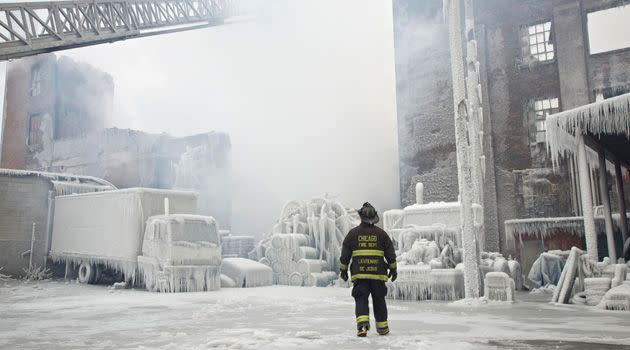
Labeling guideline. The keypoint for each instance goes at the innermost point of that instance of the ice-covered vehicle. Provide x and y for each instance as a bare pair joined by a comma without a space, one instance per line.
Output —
114,231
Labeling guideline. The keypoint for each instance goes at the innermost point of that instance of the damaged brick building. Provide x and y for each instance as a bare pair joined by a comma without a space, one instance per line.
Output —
536,59
55,118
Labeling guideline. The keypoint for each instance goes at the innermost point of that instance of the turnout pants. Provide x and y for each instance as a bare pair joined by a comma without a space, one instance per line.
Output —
362,289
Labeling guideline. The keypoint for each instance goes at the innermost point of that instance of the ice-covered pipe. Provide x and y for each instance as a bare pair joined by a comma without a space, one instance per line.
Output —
419,193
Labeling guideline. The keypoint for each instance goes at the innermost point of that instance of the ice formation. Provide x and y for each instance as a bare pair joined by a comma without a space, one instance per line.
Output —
421,282
610,116
304,245
617,298
247,273
498,286
184,278
237,246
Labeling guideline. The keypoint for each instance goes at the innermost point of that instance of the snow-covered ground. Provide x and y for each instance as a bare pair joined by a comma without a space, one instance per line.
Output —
56,315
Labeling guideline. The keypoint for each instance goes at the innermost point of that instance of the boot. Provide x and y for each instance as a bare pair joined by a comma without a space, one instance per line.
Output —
362,329
382,328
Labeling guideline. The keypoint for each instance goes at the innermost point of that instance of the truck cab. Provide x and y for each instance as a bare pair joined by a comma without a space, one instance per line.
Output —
180,253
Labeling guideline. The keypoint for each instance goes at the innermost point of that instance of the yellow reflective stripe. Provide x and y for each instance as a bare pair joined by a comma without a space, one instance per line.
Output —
343,266
363,318
381,324
368,253
392,265
370,277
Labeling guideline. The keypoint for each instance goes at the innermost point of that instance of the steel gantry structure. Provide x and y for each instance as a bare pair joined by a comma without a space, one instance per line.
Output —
31,28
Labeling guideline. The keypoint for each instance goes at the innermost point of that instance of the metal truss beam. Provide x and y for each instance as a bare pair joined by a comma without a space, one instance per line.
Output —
32,28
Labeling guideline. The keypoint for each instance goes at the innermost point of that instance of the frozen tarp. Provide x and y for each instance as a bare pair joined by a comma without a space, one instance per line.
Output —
247,273
546,270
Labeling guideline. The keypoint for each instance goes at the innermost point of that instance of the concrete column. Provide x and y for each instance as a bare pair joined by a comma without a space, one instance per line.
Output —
587,200
605,197
622,201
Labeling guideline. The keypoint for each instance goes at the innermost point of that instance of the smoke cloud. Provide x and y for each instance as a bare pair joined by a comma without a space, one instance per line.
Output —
306,92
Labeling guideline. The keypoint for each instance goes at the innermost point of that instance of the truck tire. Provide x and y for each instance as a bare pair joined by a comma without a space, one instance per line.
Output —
87,273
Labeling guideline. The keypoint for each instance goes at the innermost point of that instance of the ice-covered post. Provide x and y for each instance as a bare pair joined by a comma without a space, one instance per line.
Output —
603,188
167,208
30,256
419,193
585,194
475,112
462,142
621,197
473,94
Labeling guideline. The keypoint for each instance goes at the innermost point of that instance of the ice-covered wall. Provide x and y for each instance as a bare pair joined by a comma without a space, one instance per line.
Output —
426,133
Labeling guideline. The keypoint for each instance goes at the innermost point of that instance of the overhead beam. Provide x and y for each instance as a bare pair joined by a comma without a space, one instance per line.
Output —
32,28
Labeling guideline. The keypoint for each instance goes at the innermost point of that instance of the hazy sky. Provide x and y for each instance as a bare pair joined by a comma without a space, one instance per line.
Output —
306,92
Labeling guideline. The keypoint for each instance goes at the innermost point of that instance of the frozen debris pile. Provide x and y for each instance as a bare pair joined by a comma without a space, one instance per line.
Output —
599,284
498,286
237,246
617,298
36,273
246,273
3,277
304,246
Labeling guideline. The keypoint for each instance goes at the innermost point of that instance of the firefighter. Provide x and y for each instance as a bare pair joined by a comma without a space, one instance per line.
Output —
372,254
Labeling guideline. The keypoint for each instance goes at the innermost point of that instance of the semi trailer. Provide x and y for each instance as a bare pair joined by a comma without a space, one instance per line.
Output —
147,236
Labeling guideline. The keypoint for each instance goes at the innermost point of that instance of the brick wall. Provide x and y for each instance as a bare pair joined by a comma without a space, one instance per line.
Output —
23,201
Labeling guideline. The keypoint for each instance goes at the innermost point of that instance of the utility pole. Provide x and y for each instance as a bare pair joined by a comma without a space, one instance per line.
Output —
464,146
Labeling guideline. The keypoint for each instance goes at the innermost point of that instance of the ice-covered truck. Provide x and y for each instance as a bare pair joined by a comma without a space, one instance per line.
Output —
133,232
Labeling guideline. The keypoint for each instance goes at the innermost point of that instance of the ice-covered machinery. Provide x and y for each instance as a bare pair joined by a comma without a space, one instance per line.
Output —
430,220
132,230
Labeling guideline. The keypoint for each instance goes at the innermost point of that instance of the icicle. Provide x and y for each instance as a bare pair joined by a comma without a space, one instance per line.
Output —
610,116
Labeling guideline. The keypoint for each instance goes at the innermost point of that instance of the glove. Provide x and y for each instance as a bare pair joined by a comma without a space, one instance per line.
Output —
344,275
393,274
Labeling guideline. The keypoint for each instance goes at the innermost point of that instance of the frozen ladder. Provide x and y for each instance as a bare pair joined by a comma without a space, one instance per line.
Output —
30,28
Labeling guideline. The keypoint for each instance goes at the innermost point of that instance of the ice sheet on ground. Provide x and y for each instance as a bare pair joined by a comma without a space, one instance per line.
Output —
60,316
